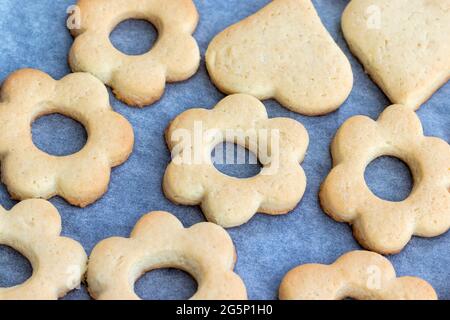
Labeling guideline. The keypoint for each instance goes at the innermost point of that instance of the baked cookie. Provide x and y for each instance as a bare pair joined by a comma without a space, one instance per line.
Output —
159,240
404,45
80,178
33,228
280,145
361,275
136,80
379,225
282,52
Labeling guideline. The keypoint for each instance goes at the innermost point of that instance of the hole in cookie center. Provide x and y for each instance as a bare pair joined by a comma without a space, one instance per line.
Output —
389,178
58,135
134,37
166,284
15,269
235,161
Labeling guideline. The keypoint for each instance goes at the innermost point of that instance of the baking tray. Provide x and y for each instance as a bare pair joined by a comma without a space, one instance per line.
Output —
34,35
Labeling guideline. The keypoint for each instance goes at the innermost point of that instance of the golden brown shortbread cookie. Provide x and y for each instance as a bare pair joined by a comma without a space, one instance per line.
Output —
80,178
404,45
280,145
136,80
380,225
33,228
159,240
282,52
360,275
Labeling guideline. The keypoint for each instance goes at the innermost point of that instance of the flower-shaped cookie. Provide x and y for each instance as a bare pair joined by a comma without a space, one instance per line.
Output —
280,145
360,275
33,228
379,225
159,240
136,80
80,178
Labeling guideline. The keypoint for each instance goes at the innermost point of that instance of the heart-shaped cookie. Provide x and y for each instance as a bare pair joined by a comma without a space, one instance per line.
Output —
404,45
282,52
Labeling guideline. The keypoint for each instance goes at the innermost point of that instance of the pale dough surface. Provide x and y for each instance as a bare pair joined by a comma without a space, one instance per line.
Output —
282,52
33,228
379,225
136,80
226,200
159,240
361,275
80,178
404,45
